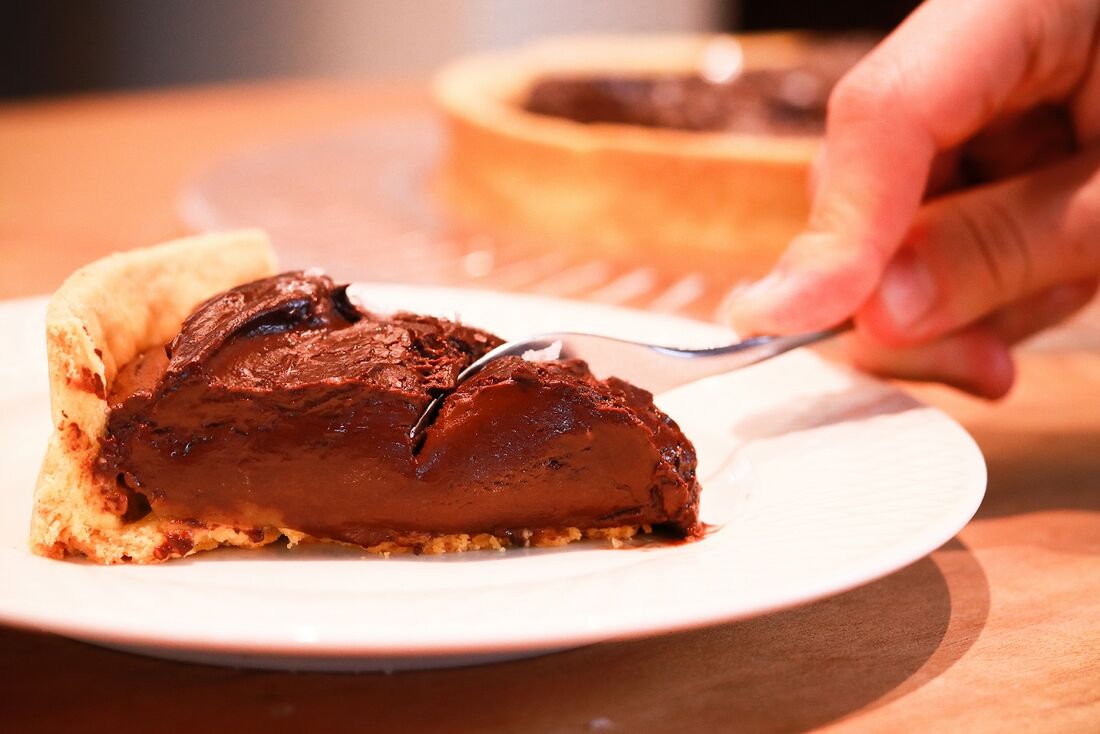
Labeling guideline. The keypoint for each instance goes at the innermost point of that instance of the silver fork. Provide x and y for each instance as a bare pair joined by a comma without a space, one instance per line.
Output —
653,367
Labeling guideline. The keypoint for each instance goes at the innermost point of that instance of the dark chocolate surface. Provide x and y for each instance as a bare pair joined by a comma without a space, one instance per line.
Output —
790,103
774,101
282,404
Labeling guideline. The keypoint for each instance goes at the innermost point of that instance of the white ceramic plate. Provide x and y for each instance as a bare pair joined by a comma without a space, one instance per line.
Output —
815,479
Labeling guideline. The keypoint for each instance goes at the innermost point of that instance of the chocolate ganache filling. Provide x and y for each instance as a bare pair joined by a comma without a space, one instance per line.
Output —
282,404
779,102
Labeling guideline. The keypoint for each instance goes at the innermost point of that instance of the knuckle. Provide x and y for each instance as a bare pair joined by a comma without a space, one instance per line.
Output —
1001,253
1083,243
881,90
868,89
1058,37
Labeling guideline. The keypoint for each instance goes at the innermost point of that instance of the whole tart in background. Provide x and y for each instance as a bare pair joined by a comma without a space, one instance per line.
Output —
677,147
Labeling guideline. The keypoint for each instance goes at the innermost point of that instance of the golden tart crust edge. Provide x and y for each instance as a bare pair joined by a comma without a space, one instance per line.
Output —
100,318
619,187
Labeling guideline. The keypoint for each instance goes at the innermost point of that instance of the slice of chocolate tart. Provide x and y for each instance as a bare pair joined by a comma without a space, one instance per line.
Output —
280,408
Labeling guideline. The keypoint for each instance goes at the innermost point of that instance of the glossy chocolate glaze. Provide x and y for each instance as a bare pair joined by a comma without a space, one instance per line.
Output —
281,404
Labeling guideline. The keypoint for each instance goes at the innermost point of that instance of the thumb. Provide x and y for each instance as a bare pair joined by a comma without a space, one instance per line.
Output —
972,253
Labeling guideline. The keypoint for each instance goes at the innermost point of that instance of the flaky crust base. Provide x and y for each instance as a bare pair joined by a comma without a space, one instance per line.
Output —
100,319
620,188
432,543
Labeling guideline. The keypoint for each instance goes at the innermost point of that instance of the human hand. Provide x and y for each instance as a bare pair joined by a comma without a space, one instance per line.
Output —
957,203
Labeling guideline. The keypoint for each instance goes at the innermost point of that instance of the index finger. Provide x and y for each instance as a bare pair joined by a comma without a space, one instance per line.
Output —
946,72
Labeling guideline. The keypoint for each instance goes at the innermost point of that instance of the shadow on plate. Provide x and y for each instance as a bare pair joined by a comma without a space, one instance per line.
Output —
865,399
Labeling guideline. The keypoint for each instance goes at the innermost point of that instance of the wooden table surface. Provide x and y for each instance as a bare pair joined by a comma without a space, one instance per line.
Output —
998,630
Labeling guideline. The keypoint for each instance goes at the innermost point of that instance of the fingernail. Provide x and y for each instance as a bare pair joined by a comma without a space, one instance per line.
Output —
749,308
761,288
907,291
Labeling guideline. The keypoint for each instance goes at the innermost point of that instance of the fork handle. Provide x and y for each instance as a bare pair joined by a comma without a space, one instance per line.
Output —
700,363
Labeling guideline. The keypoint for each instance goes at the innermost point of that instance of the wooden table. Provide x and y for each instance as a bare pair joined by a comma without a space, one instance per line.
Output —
999,630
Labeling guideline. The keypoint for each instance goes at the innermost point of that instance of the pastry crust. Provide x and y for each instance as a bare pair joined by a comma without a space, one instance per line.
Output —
102,317
620,188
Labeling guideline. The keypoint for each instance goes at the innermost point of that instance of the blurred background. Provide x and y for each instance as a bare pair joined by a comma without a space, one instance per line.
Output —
60,46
